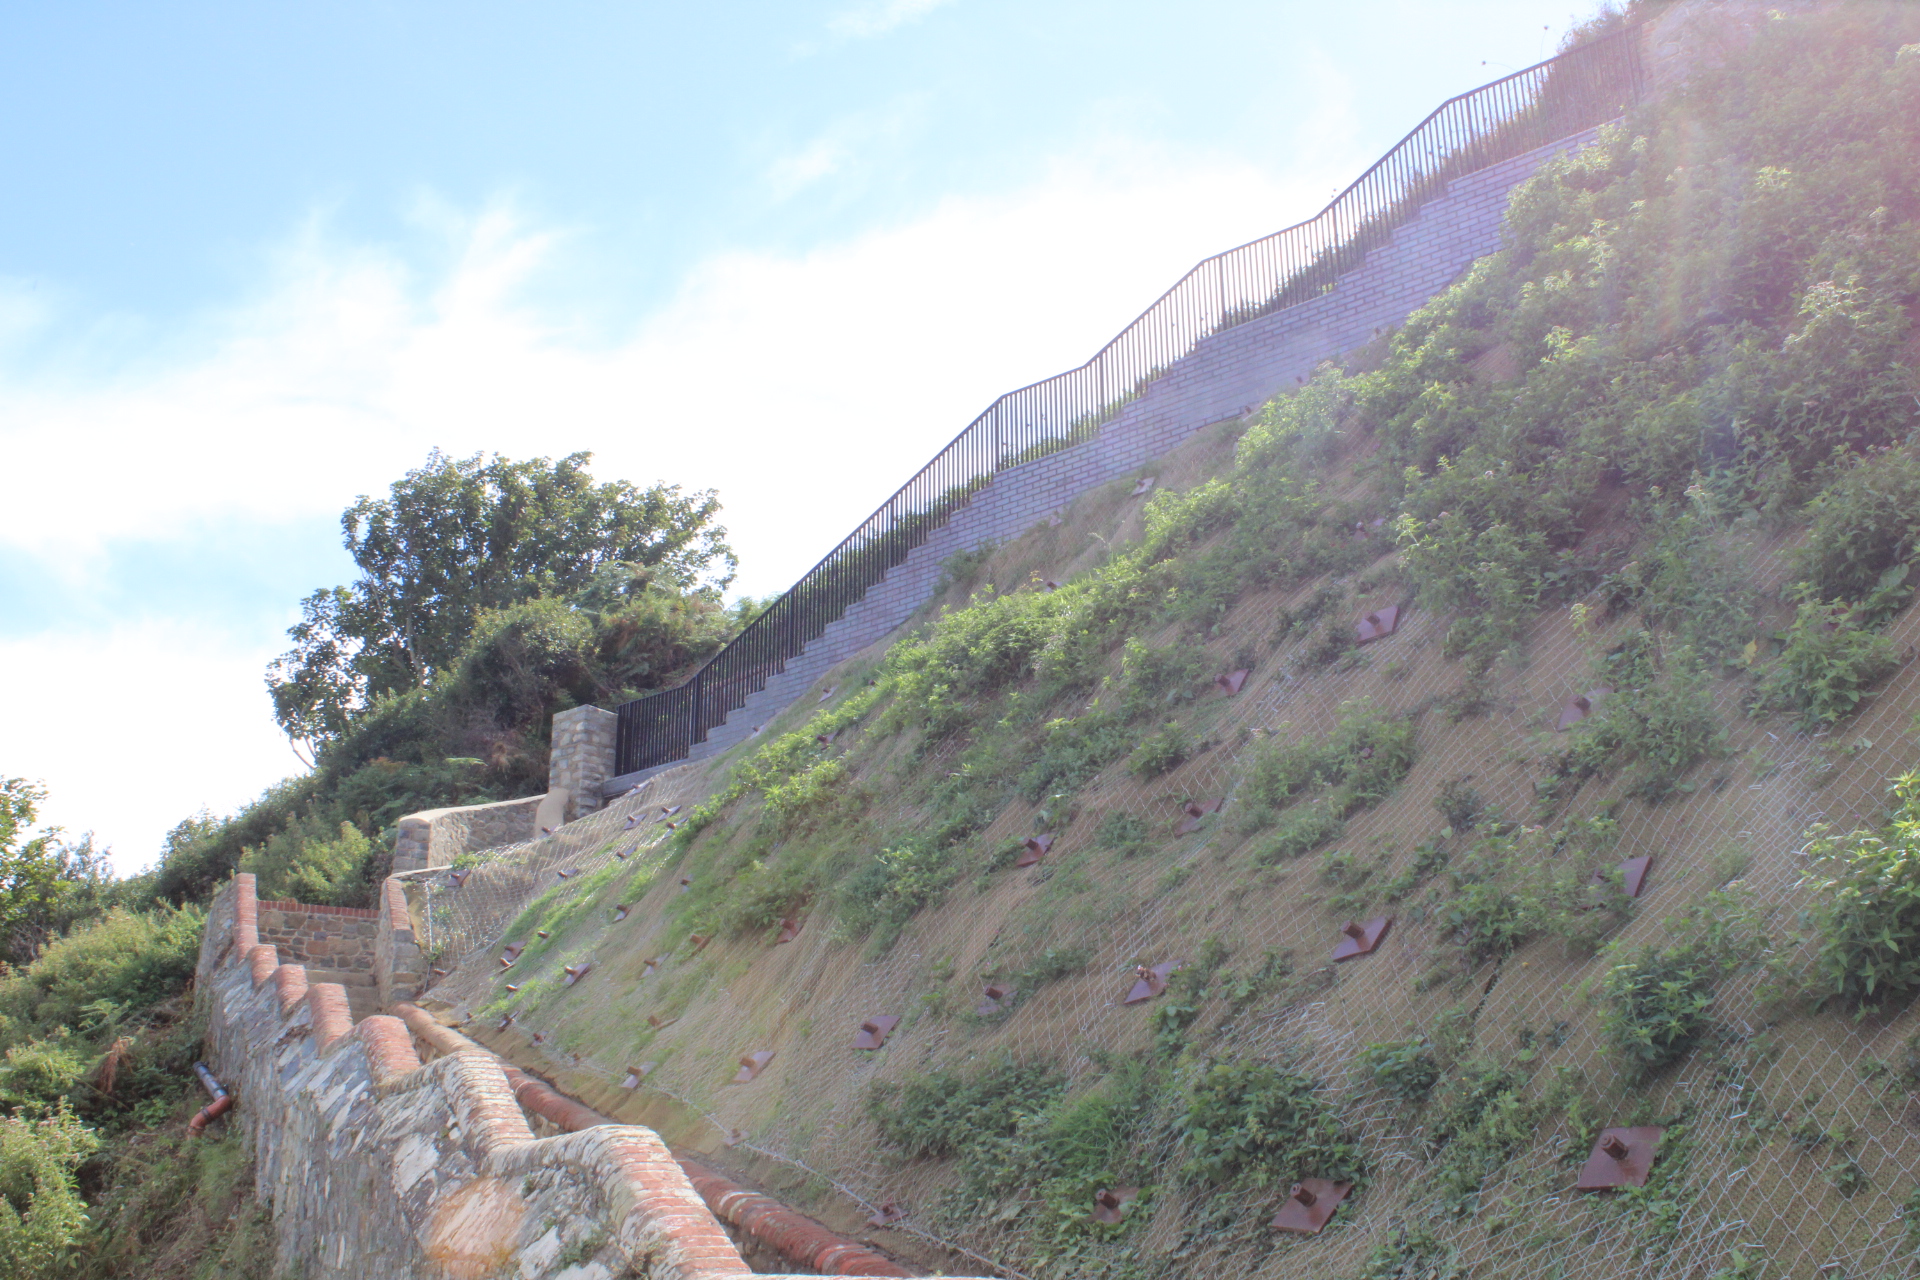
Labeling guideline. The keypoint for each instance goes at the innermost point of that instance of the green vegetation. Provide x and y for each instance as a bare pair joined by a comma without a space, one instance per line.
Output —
1654,1002
1260,1124
1866,905
1406,1069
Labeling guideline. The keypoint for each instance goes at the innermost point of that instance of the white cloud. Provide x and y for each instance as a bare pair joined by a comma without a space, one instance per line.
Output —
869,20
134,728
805,388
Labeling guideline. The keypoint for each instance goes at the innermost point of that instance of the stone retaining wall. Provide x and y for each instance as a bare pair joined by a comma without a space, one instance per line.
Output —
333,944
435,837
376,1165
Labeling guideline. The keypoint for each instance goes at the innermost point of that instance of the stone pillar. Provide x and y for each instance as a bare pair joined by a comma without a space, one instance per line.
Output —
582,758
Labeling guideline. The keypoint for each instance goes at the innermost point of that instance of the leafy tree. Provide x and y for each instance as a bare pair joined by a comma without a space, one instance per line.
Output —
457,538
45,882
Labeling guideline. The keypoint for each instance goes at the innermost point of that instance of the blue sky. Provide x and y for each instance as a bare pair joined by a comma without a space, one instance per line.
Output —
258,259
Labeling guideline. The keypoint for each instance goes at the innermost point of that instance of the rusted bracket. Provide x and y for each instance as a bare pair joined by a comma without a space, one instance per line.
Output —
1579,707
1621,1158
1361,939
1149,983
1196,811
752,1065
1033,850
1231,682
874,1031
636,1074
998,1000
1377,625
1111,1205
1310,1205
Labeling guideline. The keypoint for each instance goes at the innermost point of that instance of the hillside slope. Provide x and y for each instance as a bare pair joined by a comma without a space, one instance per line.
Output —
1658,452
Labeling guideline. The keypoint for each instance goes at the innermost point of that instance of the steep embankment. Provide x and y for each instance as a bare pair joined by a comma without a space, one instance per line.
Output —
1657,454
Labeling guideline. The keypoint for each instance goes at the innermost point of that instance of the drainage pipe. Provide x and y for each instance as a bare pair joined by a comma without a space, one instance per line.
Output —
221,1102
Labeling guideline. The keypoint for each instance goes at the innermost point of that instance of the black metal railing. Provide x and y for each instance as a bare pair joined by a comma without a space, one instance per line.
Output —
1577,90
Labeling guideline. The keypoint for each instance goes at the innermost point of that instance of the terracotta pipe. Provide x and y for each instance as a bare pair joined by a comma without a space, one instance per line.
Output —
219,1106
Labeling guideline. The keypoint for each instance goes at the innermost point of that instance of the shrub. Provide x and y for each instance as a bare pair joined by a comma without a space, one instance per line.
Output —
127,960
1261,1124
1658,718
1072,751
1866,904
1300,831
899,881
1655,1004
1864,524
1123,833
1162,750
1829,663
41,1212
1362,758
943,1112
1406,1069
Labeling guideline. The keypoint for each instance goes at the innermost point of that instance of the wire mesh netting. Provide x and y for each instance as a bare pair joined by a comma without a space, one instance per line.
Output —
1585,86
1801,1144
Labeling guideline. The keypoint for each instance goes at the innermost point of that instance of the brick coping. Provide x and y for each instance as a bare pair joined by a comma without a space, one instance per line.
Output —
656,1213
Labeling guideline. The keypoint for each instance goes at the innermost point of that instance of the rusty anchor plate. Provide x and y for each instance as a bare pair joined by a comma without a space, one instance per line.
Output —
620,912
1111,1205
1579,707
752,1065
1149,983
686,884
659,1020
1621,1158
1310,1206
874,1031
789,930
998,1000
1196,811
1033,850
1361,938
1633,875
1377,625
1231,682
699,941
636,1074
575,973
1145,486
831,689
889,1213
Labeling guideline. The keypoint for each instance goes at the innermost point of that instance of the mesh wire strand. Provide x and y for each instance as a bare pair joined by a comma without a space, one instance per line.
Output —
1746,1189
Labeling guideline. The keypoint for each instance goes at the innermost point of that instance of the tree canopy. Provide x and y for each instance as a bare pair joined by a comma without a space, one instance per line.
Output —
457,538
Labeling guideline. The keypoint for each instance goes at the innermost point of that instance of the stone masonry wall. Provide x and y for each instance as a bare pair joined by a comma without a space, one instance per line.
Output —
333,944
1225,375
375,1165
399,962
435,837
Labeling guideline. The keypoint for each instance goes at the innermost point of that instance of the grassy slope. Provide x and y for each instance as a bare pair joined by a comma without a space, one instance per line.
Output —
1477,1168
